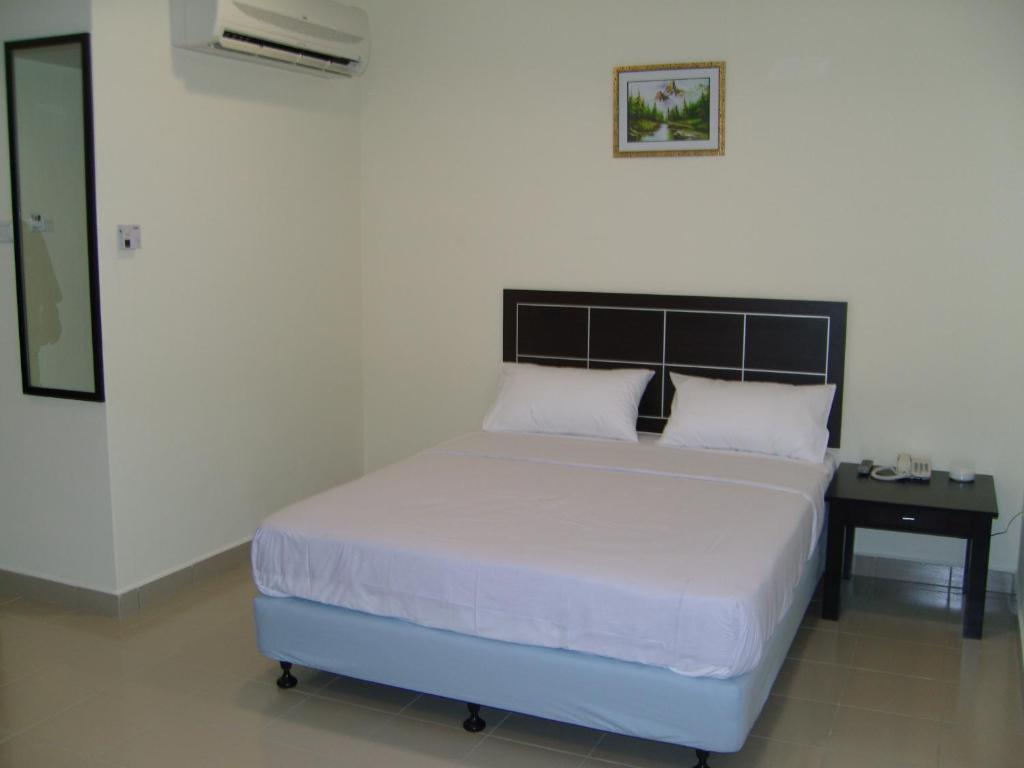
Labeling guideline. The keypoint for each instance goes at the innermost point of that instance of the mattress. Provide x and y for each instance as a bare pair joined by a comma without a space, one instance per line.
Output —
677,558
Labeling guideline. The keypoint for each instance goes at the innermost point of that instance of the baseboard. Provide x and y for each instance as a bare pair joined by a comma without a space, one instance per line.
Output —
141,598
950,576
1020,623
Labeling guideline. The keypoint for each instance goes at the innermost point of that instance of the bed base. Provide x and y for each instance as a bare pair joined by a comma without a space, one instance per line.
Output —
474,723
706,714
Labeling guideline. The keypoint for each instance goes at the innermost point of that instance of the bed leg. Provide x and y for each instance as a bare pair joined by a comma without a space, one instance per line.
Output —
474,723
702,759
287,679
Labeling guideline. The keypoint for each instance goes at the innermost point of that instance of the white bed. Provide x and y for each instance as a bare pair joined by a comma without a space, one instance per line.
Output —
630,587
679,558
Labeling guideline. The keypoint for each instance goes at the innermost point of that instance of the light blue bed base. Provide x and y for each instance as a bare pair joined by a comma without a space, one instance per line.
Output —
595,691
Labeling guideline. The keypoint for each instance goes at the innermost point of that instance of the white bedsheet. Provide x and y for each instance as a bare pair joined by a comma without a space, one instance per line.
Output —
679,558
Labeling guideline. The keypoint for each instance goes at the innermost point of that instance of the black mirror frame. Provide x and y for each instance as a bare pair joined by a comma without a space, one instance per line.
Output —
98,392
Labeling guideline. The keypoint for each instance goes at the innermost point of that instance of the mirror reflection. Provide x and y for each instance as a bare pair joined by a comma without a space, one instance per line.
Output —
50,129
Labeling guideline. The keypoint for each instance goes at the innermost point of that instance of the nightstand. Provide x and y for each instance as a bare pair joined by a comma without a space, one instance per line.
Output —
941,507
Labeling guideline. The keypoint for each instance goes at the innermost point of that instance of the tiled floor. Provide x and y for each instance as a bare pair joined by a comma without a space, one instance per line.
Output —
891,684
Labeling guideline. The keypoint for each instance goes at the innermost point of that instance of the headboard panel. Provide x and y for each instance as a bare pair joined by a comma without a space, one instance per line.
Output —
795,342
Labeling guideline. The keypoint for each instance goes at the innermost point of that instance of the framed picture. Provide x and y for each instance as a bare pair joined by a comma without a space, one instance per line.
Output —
670,109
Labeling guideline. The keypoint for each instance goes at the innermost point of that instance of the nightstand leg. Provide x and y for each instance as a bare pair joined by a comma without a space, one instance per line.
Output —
848,553
976,579
835,546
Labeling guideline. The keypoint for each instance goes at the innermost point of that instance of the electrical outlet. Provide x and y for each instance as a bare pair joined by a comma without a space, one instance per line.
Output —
129,237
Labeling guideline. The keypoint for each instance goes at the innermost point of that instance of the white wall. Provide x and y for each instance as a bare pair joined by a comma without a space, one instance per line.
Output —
232,337
874,155
55,501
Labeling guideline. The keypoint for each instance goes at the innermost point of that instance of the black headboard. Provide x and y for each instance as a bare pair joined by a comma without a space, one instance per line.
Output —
795,342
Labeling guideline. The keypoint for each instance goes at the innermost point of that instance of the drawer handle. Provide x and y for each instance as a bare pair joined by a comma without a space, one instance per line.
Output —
909,519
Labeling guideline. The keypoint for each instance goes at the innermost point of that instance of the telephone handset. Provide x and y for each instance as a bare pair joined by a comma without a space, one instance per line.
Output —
907,468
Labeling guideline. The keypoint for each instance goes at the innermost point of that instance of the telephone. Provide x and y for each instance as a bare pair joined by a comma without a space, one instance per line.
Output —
907,468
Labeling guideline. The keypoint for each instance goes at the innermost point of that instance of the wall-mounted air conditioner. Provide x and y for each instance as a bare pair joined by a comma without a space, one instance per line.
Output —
321,37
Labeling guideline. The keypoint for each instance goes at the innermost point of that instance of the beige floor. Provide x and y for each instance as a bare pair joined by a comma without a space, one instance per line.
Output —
183,685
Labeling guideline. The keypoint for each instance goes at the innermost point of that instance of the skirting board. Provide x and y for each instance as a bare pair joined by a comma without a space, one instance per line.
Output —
951,576
142,598
1020,621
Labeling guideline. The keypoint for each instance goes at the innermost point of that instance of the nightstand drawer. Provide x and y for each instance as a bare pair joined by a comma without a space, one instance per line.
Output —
925,521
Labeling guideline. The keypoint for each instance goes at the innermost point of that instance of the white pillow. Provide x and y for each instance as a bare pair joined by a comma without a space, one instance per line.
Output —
780,419
568,401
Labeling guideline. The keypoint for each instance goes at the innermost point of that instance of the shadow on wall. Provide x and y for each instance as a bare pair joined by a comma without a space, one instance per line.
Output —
42,295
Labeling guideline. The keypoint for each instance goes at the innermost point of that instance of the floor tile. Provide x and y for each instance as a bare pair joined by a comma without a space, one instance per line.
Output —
765,753
884,738
95,725
639,753
934,630
325,726
167,746
898,694
25,752
547,733
175,675
426,739
9,674
905,658
29,700
363,694
795,720
184,684
989,705
920,600
247,705
256,751
911,572
498,753
968,747
811,680
823,646
228,649
34,609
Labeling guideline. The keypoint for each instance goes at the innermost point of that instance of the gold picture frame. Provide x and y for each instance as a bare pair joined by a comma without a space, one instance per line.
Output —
669,110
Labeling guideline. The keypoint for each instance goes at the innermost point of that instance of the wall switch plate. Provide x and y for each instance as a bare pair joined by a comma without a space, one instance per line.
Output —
39,223
129,237
6,231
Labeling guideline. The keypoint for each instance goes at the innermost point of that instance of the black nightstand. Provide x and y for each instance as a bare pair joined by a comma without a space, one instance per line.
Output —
940,507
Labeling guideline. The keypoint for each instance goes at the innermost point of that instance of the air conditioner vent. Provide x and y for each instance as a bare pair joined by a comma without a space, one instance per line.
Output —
299,56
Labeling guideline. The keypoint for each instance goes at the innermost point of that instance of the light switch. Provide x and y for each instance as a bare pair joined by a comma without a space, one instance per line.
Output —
39,223
129,237
6,231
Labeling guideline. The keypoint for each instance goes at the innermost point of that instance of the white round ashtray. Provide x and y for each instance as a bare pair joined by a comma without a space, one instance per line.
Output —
962,473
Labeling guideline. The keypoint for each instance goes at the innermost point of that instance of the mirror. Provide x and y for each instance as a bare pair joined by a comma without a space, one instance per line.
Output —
49,125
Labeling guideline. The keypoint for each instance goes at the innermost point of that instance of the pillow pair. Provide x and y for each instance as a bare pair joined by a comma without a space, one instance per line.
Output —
777,419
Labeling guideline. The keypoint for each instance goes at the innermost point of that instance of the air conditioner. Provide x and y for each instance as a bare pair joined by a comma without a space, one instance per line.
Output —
321,37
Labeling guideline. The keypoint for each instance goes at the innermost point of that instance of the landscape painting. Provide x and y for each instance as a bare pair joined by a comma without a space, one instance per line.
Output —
670,109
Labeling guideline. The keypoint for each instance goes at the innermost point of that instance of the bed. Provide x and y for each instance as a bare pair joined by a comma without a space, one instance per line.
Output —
449,573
